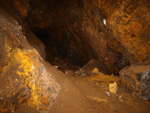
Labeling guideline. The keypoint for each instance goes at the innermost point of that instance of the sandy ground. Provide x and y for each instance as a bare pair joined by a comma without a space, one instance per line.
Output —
81,95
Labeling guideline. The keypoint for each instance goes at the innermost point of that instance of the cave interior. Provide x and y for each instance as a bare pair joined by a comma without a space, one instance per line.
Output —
98,50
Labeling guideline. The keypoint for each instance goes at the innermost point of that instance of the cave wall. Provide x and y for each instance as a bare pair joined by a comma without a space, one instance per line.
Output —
124,40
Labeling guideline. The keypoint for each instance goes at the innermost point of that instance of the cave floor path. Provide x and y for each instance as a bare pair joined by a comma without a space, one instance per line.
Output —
80,95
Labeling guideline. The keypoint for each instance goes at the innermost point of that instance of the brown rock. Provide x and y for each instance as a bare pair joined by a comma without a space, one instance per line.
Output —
23,75
94,64
123,41
95,70
137,79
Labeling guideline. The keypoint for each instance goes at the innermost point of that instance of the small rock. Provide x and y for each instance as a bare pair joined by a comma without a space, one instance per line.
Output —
83,74
95,70
66,72
120,98
77,72
112,75
108,93
113,87
1,98
56,67
145,98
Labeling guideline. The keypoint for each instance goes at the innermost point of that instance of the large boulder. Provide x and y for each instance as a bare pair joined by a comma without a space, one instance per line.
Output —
137,79
23,76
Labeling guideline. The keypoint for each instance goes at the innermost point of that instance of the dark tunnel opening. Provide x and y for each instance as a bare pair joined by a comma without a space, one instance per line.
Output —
58,50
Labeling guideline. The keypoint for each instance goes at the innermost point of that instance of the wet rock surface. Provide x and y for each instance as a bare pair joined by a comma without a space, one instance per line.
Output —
137,80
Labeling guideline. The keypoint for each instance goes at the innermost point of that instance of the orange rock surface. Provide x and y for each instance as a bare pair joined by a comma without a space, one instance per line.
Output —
123,41
23,77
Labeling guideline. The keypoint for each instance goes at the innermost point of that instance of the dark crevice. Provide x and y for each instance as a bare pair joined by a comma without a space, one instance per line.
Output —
57,44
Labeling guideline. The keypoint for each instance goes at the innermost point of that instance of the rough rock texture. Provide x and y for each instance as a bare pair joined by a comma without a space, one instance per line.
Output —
137,79
130,25
123,41
23,77
92,64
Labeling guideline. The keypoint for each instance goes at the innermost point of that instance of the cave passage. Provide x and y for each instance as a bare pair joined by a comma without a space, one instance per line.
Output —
58,49
87,43
75,33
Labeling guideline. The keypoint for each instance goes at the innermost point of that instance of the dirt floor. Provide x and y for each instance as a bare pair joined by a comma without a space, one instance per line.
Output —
88,95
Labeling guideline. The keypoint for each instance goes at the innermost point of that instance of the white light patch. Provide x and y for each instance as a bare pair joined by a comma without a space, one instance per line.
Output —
104,21
33,67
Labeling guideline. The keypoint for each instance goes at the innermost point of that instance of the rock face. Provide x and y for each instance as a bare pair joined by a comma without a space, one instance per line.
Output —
122,41
23,77
137,79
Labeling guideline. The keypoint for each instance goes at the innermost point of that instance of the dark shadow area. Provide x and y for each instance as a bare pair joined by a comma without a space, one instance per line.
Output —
58,50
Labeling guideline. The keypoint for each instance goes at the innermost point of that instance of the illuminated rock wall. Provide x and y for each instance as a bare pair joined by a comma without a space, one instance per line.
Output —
23,77
122,40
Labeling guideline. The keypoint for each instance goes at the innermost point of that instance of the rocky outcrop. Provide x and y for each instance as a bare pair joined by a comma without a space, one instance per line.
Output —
137,80
129,24
24,78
